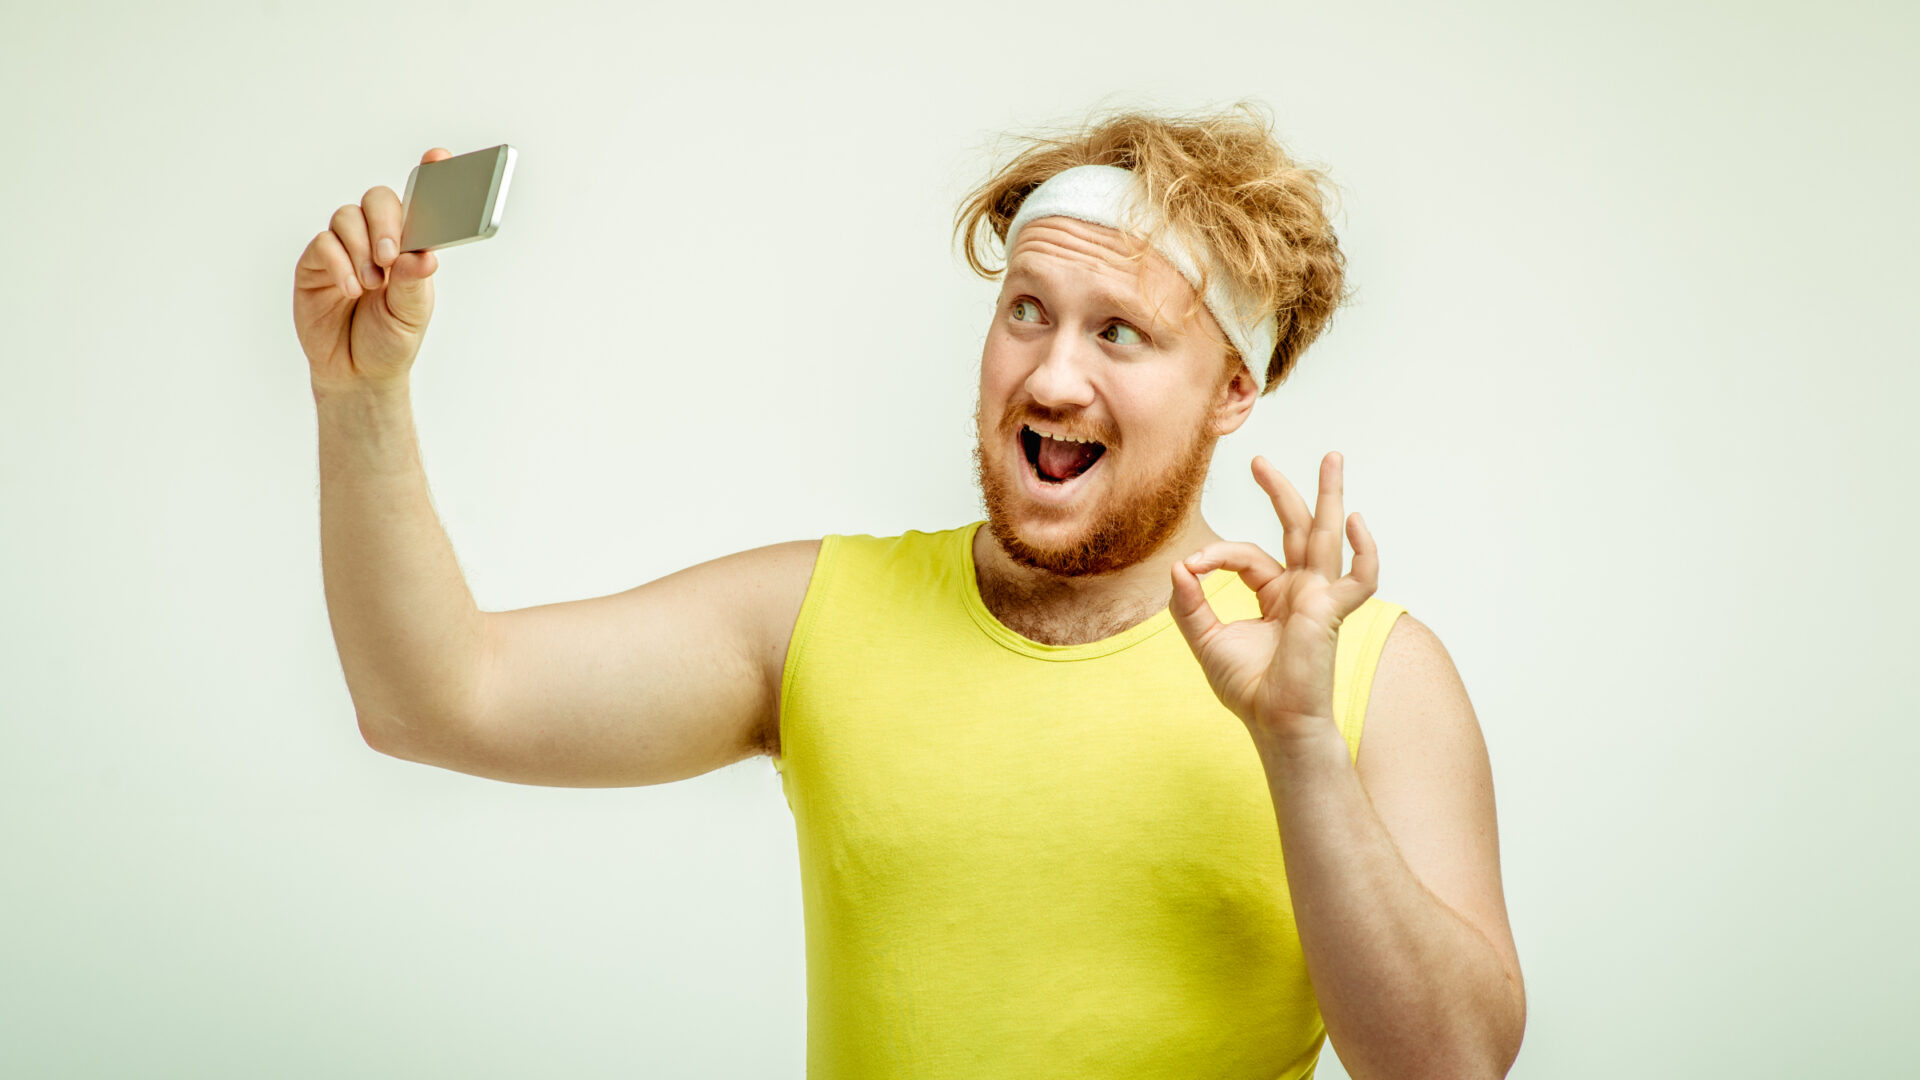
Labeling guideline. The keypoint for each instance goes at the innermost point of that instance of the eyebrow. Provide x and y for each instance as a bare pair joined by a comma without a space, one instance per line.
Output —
1101,294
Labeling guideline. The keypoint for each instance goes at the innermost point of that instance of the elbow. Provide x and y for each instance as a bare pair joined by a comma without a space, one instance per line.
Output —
389,735
1517,1032
1501,1046
1478,1050
375,734
445,744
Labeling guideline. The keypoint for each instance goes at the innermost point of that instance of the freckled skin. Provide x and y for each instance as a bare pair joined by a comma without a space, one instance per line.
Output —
1160,406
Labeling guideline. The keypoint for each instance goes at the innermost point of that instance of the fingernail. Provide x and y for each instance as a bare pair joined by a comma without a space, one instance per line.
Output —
386,249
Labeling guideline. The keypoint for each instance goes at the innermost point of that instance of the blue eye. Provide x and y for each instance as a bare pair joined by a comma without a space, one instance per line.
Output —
1123,328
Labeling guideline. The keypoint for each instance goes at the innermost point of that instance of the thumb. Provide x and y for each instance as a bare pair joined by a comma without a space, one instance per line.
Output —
410,286
1189,607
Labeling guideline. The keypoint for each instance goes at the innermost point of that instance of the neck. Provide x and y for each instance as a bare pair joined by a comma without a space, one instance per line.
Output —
1057,610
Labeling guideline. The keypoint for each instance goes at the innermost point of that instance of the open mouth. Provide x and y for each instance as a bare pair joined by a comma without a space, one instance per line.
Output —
1056,461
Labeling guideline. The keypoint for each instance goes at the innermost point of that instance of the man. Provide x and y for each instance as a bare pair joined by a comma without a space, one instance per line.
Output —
1039,834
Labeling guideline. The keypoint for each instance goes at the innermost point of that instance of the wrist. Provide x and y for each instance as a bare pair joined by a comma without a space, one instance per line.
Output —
366,427
1297,738
361,389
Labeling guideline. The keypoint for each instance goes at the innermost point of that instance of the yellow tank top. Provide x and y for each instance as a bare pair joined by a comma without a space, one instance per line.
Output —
1020,859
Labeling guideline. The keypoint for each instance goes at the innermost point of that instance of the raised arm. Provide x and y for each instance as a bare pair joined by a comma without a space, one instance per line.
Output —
664,681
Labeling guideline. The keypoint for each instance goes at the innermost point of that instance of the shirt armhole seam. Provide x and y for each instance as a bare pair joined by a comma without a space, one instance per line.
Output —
1365,663
810,604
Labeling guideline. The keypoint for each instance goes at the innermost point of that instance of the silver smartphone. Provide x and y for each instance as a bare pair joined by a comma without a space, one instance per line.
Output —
456,200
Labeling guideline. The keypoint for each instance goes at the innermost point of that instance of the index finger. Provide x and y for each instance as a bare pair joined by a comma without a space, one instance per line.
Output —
1295,518
382,209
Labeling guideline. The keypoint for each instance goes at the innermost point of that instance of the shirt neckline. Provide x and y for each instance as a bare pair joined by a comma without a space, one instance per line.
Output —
1161,620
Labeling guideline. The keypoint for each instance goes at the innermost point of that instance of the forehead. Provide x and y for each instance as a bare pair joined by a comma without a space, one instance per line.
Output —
1067,252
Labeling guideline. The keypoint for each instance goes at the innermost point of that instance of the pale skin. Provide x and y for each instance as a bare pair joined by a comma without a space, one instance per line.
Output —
1392,862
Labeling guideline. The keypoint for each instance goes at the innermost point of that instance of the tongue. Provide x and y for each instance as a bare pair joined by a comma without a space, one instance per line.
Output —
1064,460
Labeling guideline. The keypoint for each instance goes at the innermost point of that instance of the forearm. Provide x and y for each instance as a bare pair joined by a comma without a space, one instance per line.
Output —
406,626
1407,987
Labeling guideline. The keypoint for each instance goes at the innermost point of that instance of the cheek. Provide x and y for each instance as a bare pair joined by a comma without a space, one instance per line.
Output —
998,346
1150,444
1000,369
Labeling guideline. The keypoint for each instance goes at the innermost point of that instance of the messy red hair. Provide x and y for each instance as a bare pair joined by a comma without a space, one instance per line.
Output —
1221,176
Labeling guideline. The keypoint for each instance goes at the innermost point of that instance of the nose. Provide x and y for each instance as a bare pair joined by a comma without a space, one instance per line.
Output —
1061,381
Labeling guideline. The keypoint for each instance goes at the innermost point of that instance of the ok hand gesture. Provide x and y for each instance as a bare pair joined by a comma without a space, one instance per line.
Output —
1276,672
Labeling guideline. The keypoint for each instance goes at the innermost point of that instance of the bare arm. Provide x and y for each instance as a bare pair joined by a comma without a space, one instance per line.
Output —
409,636
662,682
1394,868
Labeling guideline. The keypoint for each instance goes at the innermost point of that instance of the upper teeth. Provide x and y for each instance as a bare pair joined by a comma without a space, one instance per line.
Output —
1062,438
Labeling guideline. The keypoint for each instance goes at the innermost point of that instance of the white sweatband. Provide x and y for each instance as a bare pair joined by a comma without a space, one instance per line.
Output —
1111,196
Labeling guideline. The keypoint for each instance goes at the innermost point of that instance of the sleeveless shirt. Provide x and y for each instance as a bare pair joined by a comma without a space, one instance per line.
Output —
1023,859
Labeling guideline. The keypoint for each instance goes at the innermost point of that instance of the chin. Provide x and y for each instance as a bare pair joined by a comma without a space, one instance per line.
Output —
1070,539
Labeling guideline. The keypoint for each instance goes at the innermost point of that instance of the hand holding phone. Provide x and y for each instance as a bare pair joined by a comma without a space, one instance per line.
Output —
363,288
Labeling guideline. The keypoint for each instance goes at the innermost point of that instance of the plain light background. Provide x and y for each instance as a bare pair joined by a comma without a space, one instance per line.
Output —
1623,393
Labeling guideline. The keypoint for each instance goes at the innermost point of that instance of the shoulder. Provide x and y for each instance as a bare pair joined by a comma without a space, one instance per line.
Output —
917,546
775,583
1414,653
772,582
1419,716
764,588
858,569
777,578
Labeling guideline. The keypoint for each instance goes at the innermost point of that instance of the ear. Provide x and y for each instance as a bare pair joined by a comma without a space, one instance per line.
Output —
1234,403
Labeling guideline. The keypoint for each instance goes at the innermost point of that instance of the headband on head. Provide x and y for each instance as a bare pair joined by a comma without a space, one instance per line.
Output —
1110,195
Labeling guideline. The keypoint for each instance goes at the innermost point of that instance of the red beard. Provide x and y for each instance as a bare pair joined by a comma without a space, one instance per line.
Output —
1132,524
